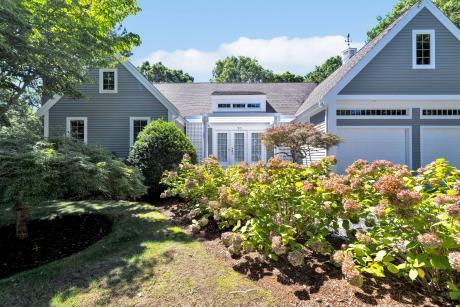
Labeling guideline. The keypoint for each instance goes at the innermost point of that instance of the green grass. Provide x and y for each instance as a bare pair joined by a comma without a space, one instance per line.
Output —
144,260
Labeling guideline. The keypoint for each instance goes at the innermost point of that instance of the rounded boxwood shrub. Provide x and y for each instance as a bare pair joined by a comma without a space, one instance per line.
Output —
160,146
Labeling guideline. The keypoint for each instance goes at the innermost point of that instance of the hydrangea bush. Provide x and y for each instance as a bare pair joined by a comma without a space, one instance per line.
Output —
398,222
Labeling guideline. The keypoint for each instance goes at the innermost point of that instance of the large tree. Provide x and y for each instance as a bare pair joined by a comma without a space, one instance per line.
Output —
157,72
234,69
287,77
450,7
324,70
46,46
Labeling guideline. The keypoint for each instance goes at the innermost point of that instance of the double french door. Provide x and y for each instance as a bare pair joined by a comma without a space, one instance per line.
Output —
233,147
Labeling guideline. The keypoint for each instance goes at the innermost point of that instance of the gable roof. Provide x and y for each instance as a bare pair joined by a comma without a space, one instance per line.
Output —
137,74
344,74
195,98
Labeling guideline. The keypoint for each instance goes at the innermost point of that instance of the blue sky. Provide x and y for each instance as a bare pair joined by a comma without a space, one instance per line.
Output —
285,35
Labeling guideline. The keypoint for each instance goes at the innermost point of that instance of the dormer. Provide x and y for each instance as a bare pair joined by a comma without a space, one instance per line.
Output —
238,101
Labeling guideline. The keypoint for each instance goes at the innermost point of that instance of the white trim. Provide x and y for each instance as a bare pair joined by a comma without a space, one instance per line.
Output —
432,64
425,127
46,124
48,105
408,140
131,127
398,97
85,122
101,80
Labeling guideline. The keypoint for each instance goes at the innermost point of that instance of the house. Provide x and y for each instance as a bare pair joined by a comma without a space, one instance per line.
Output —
397,98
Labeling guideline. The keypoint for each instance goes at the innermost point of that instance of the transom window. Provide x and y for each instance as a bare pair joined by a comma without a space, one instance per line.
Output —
423,49
441,112
239,105
224,106
77,129
108,80
254,105
137,124
372,112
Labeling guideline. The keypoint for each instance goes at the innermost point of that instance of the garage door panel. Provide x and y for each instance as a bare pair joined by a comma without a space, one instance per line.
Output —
372,144
440,142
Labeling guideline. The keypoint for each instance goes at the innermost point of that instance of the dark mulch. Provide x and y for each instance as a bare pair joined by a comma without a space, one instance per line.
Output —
49,240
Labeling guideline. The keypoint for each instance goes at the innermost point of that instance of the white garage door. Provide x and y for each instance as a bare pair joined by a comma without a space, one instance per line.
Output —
440,142
373,143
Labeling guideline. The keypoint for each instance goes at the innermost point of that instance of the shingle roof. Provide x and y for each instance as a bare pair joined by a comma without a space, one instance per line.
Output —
324,87
195,98
224,93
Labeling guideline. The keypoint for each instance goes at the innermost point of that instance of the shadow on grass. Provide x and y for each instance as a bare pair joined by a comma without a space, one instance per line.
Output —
115,266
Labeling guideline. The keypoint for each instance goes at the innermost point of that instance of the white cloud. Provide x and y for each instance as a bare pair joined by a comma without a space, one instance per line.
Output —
280,54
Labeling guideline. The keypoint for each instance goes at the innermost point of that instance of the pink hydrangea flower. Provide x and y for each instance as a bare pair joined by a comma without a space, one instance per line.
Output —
430,240
454,261
388,185
453,210
351,206
446,199
409,198
352,275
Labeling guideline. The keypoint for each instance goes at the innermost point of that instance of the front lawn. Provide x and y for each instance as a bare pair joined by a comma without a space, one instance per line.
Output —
144,260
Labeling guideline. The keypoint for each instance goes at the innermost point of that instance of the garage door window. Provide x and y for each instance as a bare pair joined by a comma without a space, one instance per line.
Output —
372,112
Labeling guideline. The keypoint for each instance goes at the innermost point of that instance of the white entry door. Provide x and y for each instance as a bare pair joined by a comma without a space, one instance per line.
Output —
234,147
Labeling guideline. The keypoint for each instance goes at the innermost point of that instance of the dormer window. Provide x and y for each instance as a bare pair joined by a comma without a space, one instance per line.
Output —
108,80
239,105
254,105
423,49
238,101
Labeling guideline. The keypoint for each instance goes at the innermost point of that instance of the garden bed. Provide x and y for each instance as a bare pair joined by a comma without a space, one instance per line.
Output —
49,240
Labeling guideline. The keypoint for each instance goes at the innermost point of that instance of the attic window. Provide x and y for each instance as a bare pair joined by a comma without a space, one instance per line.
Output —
108,81
423,49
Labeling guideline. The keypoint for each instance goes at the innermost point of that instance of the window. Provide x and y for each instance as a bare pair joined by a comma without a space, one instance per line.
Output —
423,49
372,112
441,112
224,106
239,146
239,105
77,128
108,81
136,126
256,147
254,105
222,147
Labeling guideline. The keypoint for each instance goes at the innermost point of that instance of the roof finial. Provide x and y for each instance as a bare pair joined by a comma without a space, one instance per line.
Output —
348,40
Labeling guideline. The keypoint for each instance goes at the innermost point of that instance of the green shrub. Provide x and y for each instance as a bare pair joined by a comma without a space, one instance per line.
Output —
33,171
159,147
397,222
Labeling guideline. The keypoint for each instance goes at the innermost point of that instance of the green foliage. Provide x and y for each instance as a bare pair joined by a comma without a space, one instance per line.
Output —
40,170
449,7
301,139
412,221
324,70
234,69
157,72
39,41
286,77
160,146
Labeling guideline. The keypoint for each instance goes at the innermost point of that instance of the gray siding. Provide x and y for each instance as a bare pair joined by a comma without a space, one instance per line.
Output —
391,73
108,114
415,122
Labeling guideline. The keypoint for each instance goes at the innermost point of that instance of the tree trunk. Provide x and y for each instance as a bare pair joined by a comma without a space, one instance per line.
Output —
22,232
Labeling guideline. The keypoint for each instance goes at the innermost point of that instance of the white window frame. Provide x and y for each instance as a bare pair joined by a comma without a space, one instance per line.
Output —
85,122
131,127
407,116
432,34
101,80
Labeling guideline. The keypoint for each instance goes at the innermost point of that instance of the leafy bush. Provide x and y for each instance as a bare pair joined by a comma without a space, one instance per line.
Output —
397,222
32,171
159,147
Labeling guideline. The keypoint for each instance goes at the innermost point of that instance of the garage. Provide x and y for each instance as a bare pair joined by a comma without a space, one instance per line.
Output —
373,143
440,142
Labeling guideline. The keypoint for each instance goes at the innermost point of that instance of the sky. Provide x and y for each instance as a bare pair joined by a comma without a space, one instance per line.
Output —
283,35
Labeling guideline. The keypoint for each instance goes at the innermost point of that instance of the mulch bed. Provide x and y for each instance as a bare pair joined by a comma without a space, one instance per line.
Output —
49,240
318,283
